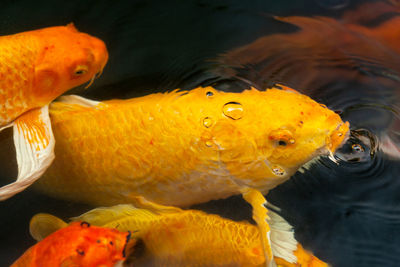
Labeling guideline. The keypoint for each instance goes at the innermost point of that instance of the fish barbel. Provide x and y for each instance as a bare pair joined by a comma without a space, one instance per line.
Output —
169,236
183,148
36,67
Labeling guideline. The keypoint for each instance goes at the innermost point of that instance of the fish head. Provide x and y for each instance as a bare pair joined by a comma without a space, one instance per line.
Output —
270,134
67,58
95,246
104,246
295,130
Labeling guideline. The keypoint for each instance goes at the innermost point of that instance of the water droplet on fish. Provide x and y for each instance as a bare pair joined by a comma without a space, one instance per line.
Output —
208,122
278,171
209,143
357,148
233,110
209,93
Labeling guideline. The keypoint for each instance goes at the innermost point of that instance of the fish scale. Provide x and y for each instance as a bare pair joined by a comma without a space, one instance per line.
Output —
17,59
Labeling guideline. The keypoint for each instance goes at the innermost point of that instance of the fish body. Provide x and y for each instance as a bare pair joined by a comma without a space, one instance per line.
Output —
78,244
182,148
38,66
363,47
168,236
35,68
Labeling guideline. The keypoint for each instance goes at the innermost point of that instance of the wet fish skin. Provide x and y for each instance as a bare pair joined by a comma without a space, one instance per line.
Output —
182,148
78,244
37,66
169,236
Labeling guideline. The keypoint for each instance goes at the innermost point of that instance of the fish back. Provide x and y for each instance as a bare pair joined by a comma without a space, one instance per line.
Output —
17,57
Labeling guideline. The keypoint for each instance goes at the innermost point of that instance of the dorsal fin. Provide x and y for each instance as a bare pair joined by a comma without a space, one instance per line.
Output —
43,224
116,216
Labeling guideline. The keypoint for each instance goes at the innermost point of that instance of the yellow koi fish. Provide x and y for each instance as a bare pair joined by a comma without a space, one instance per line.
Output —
35,68
182,148
169,236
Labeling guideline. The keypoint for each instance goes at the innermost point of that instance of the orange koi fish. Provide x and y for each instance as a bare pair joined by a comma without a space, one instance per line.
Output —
182,148
307,59
169,236
35,68
78,244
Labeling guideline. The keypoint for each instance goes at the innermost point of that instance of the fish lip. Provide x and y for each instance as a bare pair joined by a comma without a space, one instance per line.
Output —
332,148
345,138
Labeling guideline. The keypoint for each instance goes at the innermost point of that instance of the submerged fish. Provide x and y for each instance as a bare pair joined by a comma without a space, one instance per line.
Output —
182,148
363,46
35,68
169,236
78,244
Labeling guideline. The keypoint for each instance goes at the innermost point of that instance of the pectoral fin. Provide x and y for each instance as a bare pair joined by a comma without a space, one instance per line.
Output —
260,216
287,251
34,145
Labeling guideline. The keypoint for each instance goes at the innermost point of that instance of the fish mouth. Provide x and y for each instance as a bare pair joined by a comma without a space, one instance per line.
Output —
338,137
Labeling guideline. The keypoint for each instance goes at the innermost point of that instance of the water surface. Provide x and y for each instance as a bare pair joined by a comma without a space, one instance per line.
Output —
343,53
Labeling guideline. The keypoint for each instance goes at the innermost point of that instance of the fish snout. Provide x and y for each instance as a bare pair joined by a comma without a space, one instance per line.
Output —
338,137
100,53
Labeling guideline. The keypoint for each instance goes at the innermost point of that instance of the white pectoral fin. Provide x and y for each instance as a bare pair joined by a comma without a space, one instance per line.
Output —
283,243
287,251
34,145
6,126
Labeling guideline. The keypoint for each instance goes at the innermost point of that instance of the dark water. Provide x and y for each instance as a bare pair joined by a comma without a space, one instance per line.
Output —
343,53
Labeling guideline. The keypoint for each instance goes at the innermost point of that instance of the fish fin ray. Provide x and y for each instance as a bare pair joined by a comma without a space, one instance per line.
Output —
34,145
6,126
283,243
43,224
260,216
287,251
115,215
143,203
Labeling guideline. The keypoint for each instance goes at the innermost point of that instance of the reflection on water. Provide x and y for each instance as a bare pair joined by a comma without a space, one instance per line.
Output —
343,53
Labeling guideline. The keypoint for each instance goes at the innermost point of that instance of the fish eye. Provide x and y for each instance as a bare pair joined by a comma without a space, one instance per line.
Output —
80,70
282,143
85,224
282,138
